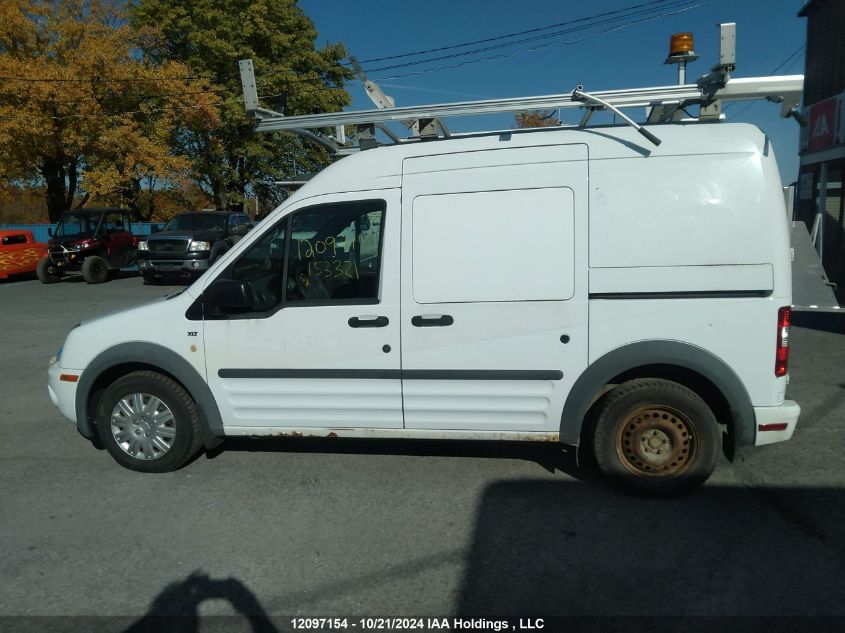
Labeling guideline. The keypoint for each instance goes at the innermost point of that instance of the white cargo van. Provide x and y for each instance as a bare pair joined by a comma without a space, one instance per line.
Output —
569,285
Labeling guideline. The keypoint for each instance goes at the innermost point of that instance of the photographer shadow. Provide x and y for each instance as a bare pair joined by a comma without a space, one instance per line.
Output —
176,608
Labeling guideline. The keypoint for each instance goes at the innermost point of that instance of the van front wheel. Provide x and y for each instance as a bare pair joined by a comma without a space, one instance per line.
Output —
148,423
655,437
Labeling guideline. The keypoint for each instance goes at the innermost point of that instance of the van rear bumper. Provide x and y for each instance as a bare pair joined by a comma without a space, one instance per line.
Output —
776,424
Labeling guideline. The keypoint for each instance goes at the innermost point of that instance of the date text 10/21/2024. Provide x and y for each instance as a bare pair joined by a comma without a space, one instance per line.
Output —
415,624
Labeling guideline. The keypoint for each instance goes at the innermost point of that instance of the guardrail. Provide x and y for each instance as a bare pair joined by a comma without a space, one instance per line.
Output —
41,234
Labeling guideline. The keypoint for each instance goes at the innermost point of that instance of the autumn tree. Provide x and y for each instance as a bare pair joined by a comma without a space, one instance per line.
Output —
232,162
81,111
536,119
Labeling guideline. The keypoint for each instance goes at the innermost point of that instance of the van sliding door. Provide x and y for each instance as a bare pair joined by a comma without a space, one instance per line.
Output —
494,287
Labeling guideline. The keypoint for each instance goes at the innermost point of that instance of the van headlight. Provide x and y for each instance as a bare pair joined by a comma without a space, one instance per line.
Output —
143,246
200,246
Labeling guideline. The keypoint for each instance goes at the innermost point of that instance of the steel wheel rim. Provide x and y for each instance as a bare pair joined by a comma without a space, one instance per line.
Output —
656,441
143,426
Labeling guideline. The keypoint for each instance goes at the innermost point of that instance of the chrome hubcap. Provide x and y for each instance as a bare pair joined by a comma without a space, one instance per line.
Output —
143,426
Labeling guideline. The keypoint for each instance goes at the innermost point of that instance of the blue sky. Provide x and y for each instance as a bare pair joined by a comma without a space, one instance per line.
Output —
768,32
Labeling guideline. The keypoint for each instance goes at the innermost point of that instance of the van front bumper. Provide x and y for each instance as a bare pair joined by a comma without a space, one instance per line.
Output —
62,389
776,424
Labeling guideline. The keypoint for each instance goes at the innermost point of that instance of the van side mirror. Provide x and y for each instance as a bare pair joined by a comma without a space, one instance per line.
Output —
155,228
229,296
50,231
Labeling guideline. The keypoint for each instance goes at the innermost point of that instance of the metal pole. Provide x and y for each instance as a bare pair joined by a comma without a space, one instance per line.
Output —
821,211
682,73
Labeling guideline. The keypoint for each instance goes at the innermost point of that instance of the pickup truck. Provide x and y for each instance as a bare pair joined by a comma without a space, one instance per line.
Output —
189,244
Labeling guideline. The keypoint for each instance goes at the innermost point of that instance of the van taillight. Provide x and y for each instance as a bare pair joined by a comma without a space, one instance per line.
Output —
782,353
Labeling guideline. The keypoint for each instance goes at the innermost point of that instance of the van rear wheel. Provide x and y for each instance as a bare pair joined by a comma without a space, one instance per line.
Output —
655,437
148,423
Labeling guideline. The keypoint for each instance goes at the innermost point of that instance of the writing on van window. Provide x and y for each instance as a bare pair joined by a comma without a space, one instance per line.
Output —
306,250
333,269
335,252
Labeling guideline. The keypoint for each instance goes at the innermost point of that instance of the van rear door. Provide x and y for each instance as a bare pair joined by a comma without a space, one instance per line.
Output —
494,287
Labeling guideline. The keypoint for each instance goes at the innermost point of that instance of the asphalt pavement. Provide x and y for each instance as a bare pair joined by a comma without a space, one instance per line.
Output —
300,527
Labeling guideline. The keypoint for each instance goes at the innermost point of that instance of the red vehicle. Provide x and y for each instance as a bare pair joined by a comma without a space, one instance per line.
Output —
19,253
93,241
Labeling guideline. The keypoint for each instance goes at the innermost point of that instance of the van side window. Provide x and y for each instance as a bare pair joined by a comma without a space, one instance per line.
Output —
262,266
9,240
335,253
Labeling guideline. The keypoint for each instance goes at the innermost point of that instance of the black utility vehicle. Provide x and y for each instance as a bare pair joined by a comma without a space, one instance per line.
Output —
190,243
93,241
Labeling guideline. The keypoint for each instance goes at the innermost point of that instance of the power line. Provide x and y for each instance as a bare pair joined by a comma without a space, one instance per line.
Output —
625,13
635,14
515,34
502,57
631,11
100,79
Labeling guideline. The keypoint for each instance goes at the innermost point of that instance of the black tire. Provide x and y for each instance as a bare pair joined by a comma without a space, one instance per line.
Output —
95,269
47,272
655,437
184,424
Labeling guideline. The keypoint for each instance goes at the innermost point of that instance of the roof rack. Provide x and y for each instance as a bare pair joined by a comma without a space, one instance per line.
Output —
663,103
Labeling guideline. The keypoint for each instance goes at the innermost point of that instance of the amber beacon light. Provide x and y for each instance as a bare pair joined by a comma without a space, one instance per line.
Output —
681,44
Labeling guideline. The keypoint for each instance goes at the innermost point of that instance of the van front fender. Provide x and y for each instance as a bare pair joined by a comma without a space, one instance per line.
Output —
140,355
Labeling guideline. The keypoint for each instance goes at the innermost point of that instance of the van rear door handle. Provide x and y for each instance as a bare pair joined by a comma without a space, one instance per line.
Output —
379,321
432,320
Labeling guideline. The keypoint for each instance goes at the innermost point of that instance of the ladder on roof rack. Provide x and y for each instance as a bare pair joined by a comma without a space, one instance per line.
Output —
664,99
663,103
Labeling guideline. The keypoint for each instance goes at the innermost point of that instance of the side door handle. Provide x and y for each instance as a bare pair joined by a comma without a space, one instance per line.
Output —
432,320
378,321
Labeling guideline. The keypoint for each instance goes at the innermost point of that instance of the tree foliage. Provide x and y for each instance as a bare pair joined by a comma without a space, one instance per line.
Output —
80,109
536,119
232,162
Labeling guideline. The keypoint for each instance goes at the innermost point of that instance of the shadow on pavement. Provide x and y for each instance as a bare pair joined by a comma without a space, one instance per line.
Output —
176,608
551,456
833,322
545,548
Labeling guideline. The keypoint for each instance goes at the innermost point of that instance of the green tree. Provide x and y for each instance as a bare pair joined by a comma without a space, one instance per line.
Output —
80,112
231,161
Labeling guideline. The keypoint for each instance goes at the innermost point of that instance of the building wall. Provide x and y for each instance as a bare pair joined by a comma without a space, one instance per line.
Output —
825,58
825,78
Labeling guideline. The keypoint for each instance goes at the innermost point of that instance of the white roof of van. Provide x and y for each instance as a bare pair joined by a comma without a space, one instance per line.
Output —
381,168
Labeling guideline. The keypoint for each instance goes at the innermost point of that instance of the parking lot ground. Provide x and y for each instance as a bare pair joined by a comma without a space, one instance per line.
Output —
330,527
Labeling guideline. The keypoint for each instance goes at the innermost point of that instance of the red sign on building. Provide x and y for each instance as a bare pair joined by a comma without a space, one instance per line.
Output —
821,132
